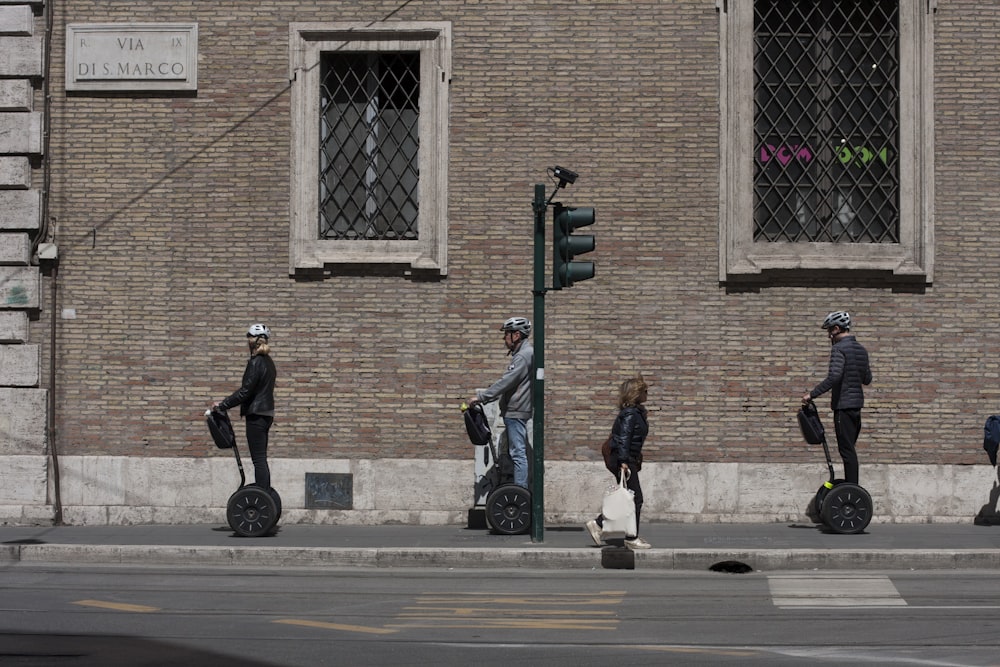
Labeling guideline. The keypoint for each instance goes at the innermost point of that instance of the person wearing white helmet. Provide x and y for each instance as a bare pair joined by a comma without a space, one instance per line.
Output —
256,400
849,370
513,390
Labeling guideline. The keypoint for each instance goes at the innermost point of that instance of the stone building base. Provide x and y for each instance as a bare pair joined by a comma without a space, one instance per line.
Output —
125,490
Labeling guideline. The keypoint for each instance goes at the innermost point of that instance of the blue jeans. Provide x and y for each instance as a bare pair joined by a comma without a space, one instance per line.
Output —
517,444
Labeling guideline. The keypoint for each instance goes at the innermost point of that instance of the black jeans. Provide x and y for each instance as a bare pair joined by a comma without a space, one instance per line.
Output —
632,483
848,426
257,429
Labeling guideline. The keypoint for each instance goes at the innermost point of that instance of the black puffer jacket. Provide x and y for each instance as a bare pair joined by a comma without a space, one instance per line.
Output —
256,395
849,370
628,434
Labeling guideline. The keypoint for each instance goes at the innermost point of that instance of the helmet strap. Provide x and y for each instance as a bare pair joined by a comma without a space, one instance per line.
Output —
517,344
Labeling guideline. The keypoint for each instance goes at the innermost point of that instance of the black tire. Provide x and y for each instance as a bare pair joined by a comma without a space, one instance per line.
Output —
251,512
508,510
817,508
813,510
274,496
847,509
277,502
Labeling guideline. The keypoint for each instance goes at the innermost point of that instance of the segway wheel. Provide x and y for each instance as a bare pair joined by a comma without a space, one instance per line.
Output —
847,509
251,512
277,500
816,510
277,503
508,509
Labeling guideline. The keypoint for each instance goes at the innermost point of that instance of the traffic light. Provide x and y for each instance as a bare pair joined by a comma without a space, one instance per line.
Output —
566,245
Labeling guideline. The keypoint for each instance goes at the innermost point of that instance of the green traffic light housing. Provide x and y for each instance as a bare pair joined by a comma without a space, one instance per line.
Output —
566,245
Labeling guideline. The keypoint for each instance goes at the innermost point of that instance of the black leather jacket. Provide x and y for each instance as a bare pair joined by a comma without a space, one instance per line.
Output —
256,395
628,434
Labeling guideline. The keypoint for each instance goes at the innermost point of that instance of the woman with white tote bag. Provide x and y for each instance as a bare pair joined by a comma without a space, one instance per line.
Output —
625,458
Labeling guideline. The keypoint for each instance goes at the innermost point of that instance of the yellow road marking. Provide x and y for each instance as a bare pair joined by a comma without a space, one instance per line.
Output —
497,612
117,606
424,612
565,599
335,626
510,624
696,649
565,611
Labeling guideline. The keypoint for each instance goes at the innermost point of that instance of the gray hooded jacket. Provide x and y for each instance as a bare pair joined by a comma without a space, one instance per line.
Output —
514,387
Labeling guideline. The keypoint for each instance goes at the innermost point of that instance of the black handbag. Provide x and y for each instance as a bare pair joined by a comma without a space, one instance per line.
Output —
476,425
221,429
812,427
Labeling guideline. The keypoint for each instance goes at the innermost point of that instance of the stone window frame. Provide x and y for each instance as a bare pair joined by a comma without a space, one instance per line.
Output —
741,259
307,43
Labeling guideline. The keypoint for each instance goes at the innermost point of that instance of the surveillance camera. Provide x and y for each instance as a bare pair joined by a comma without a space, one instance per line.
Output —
565,175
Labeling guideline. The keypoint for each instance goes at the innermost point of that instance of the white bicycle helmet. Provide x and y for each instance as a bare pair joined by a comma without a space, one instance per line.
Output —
520,324
258,330
840,318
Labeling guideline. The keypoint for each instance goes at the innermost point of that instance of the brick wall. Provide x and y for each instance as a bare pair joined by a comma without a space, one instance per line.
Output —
172,224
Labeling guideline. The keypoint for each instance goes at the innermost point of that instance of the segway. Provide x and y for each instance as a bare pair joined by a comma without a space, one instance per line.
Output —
252,511
841,506
508,506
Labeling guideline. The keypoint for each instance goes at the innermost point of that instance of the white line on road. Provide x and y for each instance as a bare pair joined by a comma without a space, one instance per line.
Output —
834,591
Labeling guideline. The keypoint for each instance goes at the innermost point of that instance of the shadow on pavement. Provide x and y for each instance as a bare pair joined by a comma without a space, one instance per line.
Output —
108,651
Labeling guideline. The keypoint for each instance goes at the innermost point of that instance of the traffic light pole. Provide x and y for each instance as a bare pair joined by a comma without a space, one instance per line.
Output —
540,206
565,273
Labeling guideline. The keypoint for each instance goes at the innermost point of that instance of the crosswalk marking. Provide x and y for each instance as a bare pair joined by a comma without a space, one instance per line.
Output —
833,590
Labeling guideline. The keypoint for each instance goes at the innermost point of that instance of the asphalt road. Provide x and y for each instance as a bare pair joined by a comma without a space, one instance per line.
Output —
127,615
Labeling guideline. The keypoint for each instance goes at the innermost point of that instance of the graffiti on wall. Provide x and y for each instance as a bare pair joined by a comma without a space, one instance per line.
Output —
858,156
785,153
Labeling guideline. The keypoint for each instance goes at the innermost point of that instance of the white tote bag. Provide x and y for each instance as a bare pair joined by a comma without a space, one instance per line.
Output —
618,509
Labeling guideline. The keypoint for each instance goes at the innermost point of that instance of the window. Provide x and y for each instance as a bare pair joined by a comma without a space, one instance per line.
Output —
825,117
369,144
826,135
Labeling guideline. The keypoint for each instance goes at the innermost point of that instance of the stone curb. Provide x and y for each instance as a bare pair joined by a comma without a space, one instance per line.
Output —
533,558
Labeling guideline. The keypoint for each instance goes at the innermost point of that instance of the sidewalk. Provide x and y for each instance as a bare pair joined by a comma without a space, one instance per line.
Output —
676,546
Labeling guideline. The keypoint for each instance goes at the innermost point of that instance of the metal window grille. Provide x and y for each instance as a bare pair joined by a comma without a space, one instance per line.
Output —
369,108
826,119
